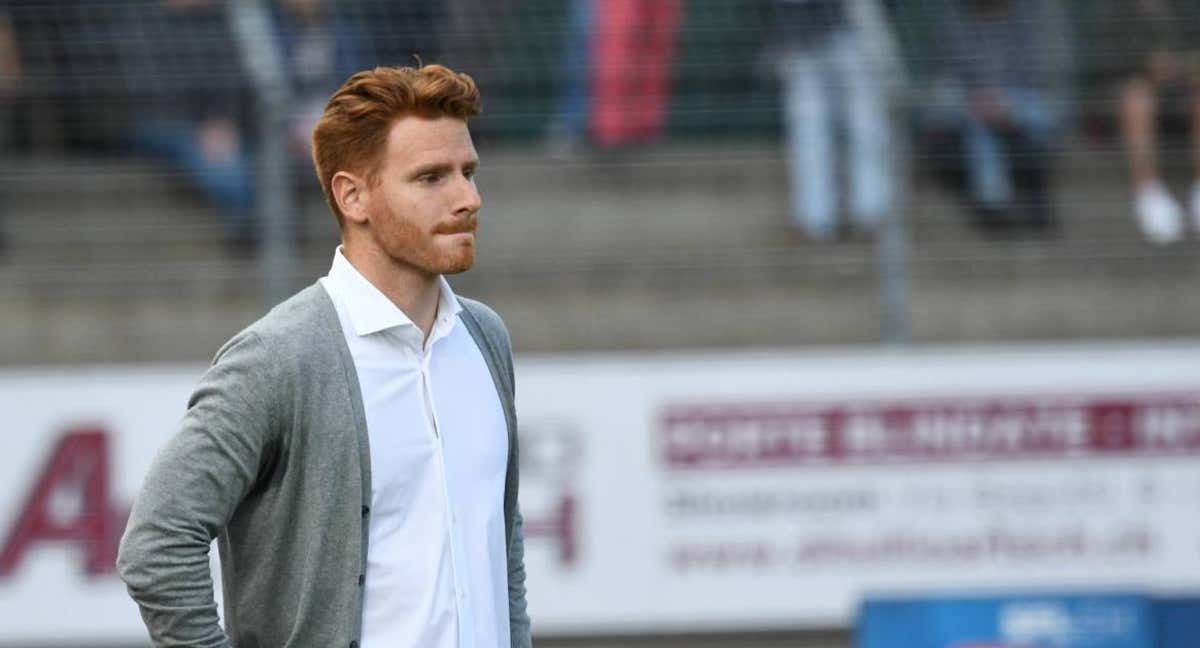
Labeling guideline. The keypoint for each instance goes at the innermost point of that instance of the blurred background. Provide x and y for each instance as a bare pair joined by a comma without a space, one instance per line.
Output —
818,305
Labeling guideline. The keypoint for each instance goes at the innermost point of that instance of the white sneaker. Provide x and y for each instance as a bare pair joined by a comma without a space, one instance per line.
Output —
1194,205
1159,215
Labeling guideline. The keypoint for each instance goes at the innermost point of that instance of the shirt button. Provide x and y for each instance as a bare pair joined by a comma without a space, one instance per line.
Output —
366,510
354,644
361,579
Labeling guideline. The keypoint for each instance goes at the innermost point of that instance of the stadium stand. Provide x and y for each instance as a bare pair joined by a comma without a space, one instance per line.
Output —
113,256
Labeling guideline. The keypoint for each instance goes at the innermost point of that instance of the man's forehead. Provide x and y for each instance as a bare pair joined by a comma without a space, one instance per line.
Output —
413,137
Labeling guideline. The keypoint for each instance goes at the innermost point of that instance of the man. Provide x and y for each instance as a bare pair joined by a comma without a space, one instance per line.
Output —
353,452
1003,96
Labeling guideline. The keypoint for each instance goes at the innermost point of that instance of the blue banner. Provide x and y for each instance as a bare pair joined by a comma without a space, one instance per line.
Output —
1117,620
1178,622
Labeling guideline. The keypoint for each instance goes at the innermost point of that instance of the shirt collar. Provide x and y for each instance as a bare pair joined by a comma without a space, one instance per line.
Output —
369,310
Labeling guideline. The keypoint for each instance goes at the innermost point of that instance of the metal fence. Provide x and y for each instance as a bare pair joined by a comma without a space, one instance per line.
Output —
727,152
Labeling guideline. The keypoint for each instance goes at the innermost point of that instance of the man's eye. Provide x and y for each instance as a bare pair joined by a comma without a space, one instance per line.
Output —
430,178
469,174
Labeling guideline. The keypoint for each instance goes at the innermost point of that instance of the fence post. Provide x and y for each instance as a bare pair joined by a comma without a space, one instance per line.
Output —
263,59
892,244
892,256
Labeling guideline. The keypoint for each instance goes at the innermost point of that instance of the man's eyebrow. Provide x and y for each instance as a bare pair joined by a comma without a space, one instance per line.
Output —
432,167
441,167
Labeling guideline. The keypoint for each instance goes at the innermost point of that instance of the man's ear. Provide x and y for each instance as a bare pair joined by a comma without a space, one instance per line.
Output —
352,195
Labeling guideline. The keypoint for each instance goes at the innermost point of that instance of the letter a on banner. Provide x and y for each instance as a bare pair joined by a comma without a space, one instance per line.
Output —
69,503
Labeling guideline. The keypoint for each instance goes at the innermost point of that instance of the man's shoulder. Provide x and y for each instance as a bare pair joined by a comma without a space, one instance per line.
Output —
491,326
487,317
301,322
490,323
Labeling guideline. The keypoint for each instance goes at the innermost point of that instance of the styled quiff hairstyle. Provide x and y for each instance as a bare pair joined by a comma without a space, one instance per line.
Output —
352,133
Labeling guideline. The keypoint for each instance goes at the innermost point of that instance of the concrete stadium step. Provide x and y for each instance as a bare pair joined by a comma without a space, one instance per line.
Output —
707,198
88,211
644,311
678,267
684,248
704,198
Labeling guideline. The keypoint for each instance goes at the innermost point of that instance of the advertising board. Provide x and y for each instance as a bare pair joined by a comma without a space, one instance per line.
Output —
722,491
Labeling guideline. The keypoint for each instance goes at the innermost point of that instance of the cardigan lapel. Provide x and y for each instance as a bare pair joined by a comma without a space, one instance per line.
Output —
335,349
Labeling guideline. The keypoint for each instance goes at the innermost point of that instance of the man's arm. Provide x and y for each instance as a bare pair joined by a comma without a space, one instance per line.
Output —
194,485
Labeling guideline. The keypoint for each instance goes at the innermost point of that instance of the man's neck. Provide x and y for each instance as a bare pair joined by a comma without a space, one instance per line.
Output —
415,293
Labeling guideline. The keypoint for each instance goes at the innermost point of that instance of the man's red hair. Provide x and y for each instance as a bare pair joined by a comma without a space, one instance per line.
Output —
352,132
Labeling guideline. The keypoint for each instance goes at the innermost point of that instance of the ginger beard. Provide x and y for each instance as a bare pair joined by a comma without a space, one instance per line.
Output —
424,208
444,248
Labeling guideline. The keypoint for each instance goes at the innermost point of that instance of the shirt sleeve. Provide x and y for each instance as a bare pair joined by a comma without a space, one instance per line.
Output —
192,489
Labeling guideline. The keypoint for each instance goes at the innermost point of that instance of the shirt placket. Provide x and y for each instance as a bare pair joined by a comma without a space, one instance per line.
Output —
458,567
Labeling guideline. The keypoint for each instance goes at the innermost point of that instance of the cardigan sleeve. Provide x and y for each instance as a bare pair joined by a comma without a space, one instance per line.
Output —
518,615
194,485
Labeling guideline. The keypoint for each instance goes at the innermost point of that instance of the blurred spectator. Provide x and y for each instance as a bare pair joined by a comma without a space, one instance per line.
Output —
475,34
199,120
997,99
633,52
69,97
394,31
568,127
1156,74
10,78
195,118
833,62
10,69
321,48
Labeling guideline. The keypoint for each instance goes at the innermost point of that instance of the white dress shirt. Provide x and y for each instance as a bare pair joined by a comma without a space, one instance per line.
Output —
436,563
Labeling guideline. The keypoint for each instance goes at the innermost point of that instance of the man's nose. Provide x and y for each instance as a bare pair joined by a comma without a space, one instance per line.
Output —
468,200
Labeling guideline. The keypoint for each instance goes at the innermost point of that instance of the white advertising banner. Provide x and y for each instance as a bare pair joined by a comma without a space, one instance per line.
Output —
775,490
75,447
706,491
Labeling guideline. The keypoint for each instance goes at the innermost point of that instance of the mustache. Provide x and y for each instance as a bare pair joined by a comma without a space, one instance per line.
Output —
459,226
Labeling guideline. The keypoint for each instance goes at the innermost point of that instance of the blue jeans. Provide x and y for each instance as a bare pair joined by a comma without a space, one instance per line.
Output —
989,170
572,109
227,184
834,83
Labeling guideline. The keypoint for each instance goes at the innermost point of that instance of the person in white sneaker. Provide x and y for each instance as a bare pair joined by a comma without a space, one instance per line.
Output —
1153,71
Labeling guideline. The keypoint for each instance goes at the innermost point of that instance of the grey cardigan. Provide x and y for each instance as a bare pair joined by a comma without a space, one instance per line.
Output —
271,459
